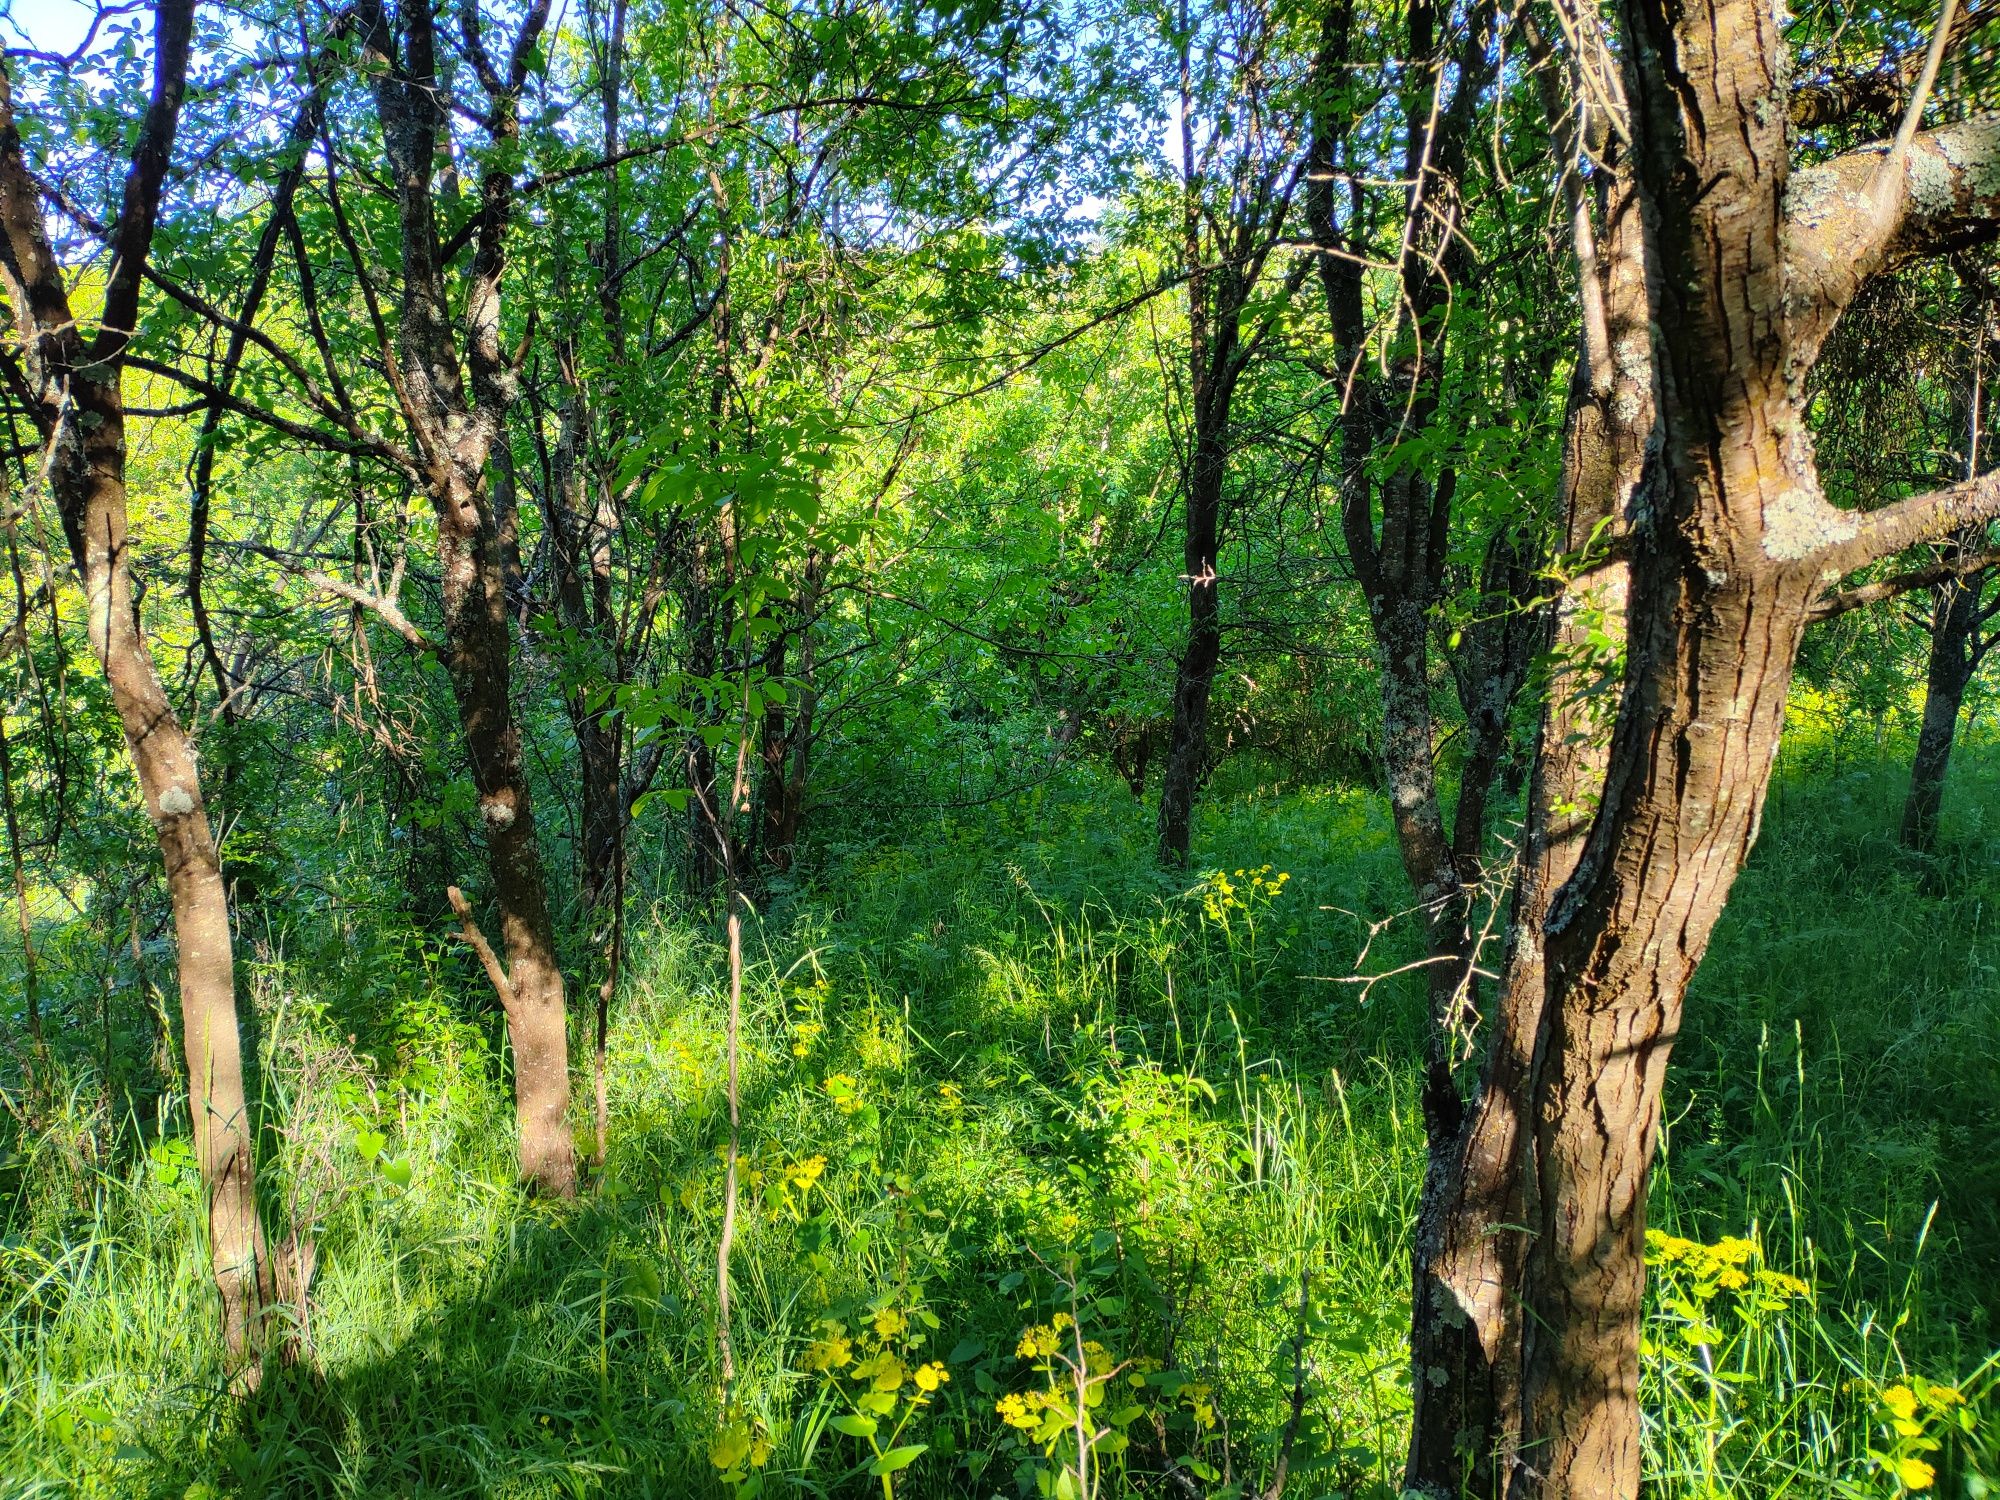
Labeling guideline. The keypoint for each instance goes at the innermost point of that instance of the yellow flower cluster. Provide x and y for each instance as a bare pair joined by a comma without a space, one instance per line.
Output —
1728,1264
929,1377
1023,1411
1910,1408
1248,889
1903,1402
803,1176
831,1352
1041,1340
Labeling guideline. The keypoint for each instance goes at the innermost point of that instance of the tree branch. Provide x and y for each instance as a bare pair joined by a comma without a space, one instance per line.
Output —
468,929
1835,605
1921,518
1839,235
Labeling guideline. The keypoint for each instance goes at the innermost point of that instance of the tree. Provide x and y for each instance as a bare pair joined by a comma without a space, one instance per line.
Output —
1238,174
72,386
1746,267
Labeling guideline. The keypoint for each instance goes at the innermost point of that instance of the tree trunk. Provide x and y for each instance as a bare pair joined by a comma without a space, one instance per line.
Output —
454,400
1954,619
1470,1249
94,518
581,523
79,411
479,658
1187,735
1725,561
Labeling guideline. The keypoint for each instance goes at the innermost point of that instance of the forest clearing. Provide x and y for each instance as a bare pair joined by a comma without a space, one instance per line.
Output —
1047,748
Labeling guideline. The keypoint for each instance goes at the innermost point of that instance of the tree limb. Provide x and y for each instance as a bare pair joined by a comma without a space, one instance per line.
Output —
1835,605
1859,540
1839,235
468,929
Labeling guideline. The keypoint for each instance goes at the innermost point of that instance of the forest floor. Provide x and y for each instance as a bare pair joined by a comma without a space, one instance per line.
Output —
1008,1076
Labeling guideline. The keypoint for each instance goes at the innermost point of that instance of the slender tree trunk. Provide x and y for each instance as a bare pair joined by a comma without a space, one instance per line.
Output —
1954,621
1194,682
479,656
581,524
455,383
80,414
1471,1247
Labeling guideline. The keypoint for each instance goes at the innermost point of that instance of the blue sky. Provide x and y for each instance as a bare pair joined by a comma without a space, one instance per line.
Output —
47,25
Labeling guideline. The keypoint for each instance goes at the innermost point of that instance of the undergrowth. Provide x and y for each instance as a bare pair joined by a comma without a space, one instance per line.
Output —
1032,1135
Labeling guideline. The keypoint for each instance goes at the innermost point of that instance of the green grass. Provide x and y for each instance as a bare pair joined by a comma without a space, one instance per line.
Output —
1058,1087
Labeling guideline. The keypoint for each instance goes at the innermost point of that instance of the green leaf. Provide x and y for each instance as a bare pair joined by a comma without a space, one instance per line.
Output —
369,1143
853,1426
398,1171
898,1458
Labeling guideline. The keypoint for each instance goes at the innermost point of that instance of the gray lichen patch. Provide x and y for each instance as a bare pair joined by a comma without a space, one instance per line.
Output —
1798,524
1934,181
1971,150
499,814
176,801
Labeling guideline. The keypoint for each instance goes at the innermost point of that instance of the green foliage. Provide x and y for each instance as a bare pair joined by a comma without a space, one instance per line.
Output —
1005,1092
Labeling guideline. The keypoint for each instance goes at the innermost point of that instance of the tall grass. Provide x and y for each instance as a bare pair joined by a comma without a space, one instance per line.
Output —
1005,1074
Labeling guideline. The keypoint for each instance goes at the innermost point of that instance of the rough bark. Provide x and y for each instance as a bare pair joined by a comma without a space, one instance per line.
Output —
79,411
1401,565
1731,549
454,400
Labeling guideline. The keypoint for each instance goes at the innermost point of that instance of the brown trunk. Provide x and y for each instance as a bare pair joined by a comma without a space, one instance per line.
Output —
479,658
1470,1254
80,413
454,401
1729,549
1234,209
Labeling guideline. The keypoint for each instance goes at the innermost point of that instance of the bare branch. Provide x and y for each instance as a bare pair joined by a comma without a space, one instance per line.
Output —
1835,605
1921,518
468,929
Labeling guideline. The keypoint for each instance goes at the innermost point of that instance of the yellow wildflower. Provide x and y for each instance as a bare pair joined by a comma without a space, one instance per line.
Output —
929,1377
889,1322
1901,1400
831,1352
1038,1341
1915,1474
